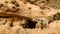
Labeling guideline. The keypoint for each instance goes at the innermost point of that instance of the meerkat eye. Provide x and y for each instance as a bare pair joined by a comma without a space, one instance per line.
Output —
41,20
38,19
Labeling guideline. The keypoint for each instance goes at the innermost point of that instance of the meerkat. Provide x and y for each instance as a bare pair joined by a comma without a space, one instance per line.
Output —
41,22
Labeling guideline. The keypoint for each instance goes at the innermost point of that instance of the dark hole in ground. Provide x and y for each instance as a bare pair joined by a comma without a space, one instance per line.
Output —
30,24
13,7
1,5
42,27
5,22
6,1
13,2
29,7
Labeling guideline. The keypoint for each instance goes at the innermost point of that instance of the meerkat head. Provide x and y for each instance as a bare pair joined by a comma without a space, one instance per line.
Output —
41,22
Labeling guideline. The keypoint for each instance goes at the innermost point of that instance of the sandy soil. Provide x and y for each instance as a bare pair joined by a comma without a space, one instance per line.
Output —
29,16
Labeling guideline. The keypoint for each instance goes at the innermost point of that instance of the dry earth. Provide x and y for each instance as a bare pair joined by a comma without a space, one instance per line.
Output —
29,17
